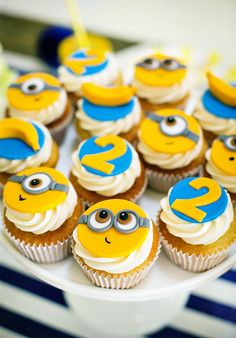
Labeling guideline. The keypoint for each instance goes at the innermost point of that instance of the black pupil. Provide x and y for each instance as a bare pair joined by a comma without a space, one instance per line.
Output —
168,62
34,182
148,61
231,158
170,119
234,141
103,214
124,216
32,87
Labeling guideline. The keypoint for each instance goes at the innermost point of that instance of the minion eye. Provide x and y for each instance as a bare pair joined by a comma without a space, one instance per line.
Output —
37,183
126,222
33,86
173,125
170,64
100,220
230,143
149,63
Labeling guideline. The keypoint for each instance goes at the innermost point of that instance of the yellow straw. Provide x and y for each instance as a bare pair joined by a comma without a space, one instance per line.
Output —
80,32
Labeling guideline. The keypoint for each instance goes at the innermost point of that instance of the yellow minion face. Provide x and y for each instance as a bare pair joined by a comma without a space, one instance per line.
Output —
223,154
35,190
170,131
159,70
113,228
34,91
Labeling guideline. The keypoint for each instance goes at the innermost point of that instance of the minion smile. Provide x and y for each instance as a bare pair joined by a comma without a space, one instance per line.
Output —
169,143
21,198
108,242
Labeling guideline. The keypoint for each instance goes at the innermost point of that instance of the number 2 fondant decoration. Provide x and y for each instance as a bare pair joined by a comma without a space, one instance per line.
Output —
223,154
198,199
170,131
107,155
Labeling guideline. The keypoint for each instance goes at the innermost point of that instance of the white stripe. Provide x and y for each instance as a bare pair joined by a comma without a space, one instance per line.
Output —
203,325
5,333
219,291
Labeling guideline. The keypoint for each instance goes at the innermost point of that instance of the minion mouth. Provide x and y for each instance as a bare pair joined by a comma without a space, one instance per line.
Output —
21,198
169,143
108,242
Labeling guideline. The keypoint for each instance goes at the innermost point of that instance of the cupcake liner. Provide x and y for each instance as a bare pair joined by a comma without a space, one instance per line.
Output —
162,182
118,281
48,253
58,131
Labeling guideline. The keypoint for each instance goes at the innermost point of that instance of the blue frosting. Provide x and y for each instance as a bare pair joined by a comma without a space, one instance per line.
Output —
89,70
16,149
216,107
182,190
121,164
106,113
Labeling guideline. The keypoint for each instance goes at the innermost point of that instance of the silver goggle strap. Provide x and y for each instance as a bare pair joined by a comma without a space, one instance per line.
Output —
190,135
17,179
155,117
46,87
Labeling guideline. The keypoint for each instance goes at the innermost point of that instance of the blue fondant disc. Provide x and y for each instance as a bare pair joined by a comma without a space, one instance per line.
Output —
216,107
121,164
182,190
17,149
89,70
105,113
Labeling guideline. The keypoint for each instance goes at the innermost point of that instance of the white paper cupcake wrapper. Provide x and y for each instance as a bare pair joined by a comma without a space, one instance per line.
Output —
118,281
162,182
42,253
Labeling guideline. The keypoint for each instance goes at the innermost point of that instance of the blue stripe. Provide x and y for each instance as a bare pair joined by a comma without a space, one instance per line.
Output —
28,327
230,276
169,332
32,285
212,308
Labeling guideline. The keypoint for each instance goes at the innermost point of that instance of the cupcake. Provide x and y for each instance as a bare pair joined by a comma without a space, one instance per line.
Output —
221,163
172,146
40,97
107,167
108,110
197,223
88,65
115,244
41,212
161,82
216,111
24,144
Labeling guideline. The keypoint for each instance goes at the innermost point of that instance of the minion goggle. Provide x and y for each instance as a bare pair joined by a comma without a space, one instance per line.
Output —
34,86
229,141
167,64
174,125
126,221
38,183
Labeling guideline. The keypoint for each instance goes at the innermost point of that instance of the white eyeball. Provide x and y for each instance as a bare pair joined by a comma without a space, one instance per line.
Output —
170,64
33,86
231,142
100,220
173,125
126,221
149,63
37,183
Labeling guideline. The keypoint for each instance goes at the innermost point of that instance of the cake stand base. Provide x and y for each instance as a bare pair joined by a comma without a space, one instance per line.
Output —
125,319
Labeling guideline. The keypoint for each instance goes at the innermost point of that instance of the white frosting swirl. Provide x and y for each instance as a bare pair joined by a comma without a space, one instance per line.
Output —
105,77
163,94
106,186
42,156
49,220
224,179
214,124
170,161
115,265
45,115
99,128
196,233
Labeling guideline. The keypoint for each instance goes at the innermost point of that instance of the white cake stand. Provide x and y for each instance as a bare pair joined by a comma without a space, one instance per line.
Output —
121,313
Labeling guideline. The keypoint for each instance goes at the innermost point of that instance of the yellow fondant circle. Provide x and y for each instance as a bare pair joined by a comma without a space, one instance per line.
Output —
223,158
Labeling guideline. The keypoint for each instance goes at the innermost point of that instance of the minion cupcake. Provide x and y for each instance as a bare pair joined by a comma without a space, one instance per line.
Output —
197,223
41,212
161,82
217,108
221,163
108,110
88,65
40,97
107,167
24,144
172,147
115,244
